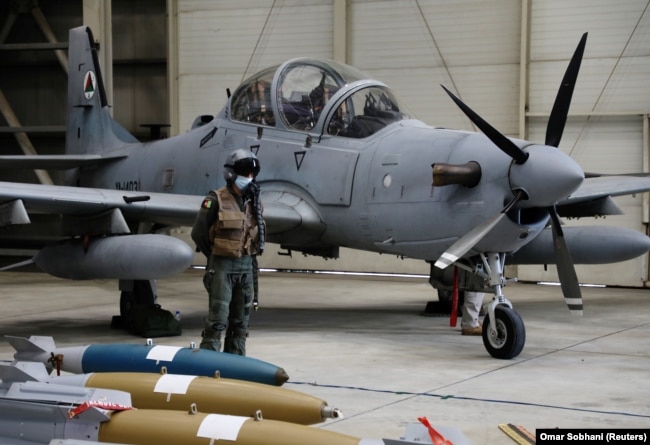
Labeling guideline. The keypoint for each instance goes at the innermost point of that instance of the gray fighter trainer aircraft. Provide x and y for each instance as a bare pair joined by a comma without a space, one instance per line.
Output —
343,164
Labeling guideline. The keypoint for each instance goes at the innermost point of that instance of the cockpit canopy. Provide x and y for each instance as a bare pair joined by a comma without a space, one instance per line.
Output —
252,100
310,95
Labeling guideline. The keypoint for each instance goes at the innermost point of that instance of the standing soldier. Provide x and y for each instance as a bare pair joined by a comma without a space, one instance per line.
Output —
229,230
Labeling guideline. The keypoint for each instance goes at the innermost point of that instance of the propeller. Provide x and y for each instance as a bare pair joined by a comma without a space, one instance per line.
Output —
560,111
565,269
471,238
505,144
555,128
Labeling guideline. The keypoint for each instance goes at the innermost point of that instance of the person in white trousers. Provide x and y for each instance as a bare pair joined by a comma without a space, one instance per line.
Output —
470,323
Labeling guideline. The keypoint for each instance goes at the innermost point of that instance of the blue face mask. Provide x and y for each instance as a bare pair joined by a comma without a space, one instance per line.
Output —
242,182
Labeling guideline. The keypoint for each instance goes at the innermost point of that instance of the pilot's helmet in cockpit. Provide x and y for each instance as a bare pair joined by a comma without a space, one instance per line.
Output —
251,102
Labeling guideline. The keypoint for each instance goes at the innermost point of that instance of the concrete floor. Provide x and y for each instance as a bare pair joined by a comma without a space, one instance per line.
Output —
362,345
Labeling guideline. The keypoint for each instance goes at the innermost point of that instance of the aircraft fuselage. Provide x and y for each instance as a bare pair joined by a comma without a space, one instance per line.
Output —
362,189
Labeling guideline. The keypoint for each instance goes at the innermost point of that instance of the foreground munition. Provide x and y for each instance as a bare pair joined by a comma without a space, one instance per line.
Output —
178,392
211,395
144,427
145,358
36,413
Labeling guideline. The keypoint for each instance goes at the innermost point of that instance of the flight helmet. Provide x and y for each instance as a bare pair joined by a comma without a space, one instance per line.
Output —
240,162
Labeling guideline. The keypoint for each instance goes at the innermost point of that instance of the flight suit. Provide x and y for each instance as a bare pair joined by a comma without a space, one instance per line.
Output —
226,231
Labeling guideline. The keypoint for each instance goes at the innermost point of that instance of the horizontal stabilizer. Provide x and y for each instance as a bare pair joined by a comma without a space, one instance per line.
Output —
34,343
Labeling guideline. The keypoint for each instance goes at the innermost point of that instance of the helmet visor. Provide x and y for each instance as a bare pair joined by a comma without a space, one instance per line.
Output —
246,166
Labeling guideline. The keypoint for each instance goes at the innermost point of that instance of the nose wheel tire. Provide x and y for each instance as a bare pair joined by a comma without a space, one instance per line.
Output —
510,335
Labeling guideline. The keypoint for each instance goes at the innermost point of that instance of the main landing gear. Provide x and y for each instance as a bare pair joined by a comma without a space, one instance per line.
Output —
134,294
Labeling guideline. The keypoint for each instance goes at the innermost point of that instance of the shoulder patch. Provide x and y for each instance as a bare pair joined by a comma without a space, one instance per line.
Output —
207,203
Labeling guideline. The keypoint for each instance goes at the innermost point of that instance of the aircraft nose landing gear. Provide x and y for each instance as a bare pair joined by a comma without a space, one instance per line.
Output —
504,333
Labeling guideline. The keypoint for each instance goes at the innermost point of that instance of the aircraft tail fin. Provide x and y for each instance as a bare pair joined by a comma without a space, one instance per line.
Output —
34,343
90,127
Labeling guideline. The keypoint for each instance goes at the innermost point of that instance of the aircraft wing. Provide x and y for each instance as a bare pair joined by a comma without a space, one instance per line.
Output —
54,162
54,220
593,198
161,208
283,210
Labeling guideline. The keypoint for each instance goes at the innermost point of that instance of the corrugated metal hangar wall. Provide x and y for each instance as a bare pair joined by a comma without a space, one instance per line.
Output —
504,58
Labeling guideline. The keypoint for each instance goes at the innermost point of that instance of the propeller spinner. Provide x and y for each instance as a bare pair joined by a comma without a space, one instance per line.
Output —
540,176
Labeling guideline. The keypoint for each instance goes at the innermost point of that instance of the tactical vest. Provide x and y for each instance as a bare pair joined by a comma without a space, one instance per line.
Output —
234,233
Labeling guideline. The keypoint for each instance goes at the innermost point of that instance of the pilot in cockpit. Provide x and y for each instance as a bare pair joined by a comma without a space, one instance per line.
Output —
252,103
366,112
320,95
305,92
259,103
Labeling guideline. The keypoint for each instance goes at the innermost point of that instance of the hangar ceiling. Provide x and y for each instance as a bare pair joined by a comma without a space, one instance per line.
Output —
174,60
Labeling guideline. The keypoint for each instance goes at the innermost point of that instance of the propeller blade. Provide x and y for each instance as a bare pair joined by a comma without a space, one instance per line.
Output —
557,120
565,268
463,245
471,238
504,144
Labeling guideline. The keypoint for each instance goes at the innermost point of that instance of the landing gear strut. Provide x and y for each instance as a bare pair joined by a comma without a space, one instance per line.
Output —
136,292
504,334
133,293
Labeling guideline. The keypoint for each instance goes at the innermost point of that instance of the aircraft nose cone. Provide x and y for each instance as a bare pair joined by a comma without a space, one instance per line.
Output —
547,176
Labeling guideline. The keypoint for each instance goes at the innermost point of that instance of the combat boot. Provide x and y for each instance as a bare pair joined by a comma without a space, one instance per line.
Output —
211,340
235,342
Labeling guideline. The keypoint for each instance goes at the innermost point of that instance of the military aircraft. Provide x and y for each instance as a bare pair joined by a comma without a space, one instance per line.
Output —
343,164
